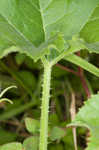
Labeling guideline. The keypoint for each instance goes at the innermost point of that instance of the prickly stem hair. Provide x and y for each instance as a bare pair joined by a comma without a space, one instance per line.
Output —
45,107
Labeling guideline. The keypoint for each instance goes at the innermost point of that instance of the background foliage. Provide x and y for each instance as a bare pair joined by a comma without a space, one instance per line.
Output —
20,70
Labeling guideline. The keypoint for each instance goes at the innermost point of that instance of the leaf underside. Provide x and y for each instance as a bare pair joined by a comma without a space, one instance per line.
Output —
28,25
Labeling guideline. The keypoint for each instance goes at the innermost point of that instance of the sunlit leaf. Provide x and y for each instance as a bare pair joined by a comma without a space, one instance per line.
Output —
88,116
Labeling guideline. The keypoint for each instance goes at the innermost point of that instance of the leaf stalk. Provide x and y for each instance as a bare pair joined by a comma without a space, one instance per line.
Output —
45,107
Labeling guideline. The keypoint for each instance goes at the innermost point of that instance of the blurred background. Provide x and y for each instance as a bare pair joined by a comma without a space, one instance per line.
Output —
20,70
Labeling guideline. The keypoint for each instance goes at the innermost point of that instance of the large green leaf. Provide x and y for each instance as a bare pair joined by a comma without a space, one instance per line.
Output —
88,116
27,24
31,143
67,16
20,25
90,32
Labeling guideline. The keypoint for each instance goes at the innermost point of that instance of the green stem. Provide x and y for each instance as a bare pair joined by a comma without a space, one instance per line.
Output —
45,107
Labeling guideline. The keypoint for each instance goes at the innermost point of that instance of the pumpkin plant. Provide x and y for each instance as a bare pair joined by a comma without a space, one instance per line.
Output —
50,31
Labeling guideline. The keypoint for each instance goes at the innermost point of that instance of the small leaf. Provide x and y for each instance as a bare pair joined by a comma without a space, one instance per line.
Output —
32,125
11,146
31,143
88,116
56,133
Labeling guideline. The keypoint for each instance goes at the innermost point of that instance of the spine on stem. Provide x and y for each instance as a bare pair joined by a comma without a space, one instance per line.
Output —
45,107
